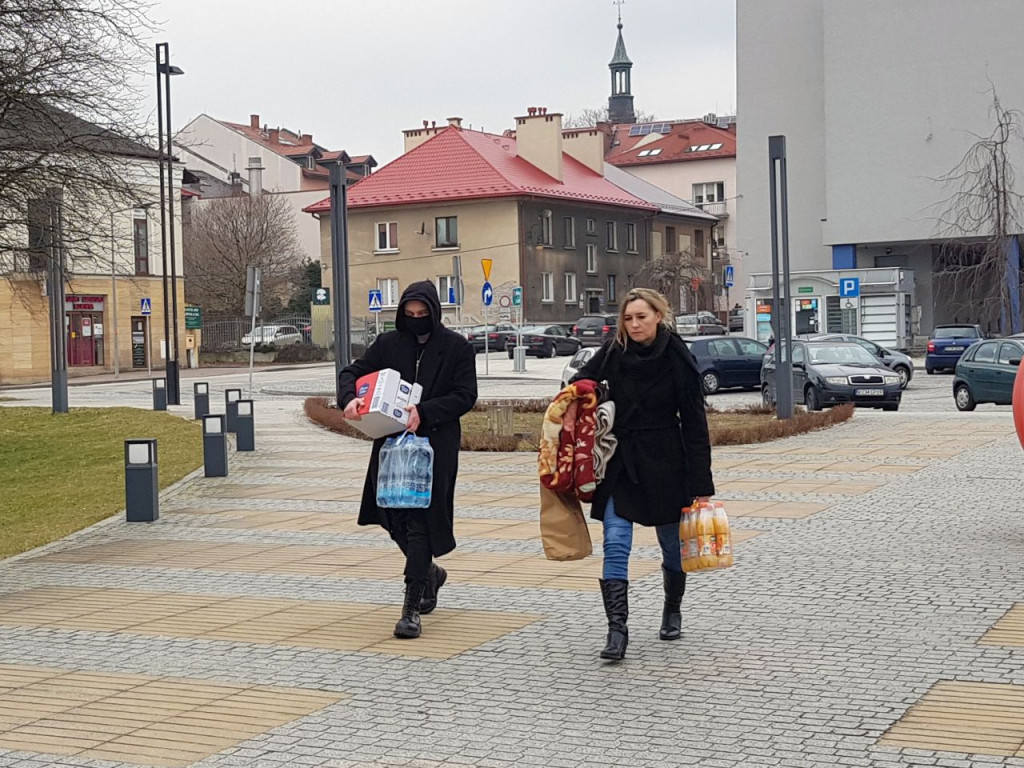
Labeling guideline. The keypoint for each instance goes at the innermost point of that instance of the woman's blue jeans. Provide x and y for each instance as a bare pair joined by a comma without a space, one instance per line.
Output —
618,542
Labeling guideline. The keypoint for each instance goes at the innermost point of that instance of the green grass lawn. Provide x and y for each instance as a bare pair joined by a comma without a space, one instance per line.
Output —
60,473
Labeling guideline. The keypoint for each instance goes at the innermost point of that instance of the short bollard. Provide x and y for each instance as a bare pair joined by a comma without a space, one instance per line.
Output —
159,394
245,433
201,398
141,488
215,446
231,398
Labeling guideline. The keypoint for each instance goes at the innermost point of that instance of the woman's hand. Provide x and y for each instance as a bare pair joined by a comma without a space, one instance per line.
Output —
352,409
702,500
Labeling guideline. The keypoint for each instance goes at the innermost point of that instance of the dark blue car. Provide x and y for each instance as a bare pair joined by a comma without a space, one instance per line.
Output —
948,343
727,361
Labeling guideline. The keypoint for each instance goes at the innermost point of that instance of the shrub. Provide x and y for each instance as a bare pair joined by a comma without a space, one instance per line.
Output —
519,404
764,428
301,353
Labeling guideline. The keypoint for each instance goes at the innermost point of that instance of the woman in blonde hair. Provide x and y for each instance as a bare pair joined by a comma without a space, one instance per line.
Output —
663,460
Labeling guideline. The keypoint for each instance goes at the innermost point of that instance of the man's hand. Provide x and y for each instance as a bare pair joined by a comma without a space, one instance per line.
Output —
352,409
414,418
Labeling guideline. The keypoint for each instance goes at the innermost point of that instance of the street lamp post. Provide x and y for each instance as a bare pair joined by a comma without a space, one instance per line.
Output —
164,71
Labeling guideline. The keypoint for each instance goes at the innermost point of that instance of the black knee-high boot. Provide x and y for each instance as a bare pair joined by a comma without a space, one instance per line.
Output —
409,625
671,617
614,592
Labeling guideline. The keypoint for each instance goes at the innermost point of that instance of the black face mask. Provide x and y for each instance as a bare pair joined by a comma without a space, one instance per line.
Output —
419,326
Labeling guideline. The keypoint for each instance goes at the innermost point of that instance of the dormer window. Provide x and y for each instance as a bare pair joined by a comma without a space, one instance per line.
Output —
311,163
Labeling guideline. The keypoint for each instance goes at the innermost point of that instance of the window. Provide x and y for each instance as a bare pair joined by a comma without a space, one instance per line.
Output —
721,348
1007,352
591,227
751,347
671,241
311,163
569,226
613,237
611,289
387,236
698,243
546,236
140,237
388,287
986,353
446,288
708,192
446,232
547,285
798,353
591,258
648,152
631,237
570,287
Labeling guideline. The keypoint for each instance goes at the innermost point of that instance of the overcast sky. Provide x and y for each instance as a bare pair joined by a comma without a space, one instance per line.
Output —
355,73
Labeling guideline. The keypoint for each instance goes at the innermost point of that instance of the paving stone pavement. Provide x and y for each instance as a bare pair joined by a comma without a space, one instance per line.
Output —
885,550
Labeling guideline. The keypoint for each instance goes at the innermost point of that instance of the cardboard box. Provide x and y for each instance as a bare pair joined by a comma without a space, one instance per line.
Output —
385,397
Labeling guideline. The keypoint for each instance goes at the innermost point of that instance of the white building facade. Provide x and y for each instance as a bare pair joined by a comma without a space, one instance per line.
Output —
877,100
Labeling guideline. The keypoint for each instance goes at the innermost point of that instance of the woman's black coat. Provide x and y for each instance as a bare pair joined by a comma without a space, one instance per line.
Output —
447,372
658,467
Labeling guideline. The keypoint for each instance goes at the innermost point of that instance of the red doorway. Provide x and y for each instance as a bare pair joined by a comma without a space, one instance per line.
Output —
85,339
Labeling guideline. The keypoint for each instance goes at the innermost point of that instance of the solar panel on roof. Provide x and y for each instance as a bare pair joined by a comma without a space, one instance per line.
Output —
635,130
645,129
665,128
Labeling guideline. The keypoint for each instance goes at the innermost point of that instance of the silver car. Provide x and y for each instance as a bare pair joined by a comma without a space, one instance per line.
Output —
892,359
581,358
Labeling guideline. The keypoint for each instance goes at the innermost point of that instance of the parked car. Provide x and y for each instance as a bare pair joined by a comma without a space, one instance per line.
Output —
947,343
728,361
544,341
736,320
581,358
496,336
700,324
594,330
278,335
890,358
828,373
985,373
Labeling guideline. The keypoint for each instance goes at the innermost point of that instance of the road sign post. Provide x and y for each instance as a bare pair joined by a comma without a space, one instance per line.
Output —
376,304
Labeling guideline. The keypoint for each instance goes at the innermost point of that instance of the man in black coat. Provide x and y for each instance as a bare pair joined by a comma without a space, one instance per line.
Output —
444,363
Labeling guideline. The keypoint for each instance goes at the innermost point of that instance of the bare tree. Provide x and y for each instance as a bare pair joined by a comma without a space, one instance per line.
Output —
68,122
591,116
673,273
977,264
228,234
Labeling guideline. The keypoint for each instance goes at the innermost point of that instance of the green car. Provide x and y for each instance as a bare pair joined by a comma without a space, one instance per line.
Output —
985,373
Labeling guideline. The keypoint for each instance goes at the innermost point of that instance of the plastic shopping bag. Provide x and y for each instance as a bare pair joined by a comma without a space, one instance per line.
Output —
705,538
406,472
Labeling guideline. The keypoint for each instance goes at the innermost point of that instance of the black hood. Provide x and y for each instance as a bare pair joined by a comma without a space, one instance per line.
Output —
422,291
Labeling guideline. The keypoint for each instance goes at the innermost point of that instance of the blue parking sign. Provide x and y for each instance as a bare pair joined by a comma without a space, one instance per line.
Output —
849,287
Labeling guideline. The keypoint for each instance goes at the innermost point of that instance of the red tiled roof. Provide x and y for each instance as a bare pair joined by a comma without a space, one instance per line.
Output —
459,164
256,134
675,146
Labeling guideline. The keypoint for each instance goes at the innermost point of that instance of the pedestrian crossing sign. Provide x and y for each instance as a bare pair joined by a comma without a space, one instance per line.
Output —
376,301
147,306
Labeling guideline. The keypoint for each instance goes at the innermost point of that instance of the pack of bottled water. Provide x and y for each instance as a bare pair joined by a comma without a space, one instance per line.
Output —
406,472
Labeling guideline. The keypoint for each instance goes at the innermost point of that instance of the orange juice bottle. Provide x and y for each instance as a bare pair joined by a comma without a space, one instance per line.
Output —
684,537
706,538
722,535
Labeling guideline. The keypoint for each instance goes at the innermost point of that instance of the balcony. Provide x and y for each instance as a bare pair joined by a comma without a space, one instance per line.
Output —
715,209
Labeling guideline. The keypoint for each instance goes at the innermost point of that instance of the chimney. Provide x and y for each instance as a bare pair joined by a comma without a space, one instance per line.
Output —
587,146
306,140
235,180
539,140
416,136
455,121
255,169
254,121
275,135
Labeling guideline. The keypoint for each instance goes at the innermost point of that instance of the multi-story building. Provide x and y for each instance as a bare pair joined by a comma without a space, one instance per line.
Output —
877,101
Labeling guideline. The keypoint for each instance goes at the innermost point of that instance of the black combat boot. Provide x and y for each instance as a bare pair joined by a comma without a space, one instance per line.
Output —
614,592
409,625
438,576
671,618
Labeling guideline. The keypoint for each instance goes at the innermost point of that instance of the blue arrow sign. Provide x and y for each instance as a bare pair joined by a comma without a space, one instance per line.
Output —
849,287
488,294
376,301
146,306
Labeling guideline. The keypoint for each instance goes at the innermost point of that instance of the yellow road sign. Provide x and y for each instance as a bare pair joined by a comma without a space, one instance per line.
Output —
486,264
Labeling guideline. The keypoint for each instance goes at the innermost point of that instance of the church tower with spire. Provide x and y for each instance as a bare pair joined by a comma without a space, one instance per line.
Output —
620,103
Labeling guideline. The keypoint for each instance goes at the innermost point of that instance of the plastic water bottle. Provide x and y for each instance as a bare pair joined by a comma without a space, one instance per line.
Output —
421,475
386,476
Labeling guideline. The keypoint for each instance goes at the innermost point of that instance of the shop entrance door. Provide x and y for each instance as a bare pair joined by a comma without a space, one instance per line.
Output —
83,338
807,316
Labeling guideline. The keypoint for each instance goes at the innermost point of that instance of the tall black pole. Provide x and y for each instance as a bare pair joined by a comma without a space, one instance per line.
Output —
780,282
339,266
173,379
55,279
163,210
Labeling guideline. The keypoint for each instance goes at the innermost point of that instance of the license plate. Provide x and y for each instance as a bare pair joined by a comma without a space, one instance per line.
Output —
870,392
954,349
590,333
